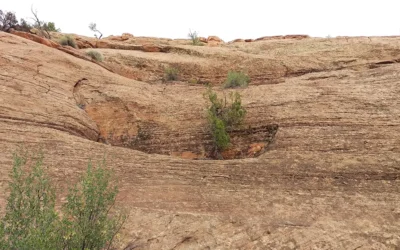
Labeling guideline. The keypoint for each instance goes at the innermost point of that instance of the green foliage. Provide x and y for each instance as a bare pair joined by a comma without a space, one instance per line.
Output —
171,74
50,26
95,55
236,79
68,41
224,116
88,222
218,129
234,114
31,221
8,20
195,38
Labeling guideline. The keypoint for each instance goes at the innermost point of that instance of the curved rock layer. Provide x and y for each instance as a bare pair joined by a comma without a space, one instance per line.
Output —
328,180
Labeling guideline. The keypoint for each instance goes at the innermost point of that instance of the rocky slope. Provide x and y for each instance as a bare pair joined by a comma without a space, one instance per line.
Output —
320,144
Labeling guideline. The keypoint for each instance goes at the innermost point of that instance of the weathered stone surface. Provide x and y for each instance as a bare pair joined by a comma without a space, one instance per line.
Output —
103,44
203,39
238,41
329,179
297,37
118,38
84,44
35,38
214,39
127,35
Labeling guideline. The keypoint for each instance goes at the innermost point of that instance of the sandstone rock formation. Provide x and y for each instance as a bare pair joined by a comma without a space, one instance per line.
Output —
238,40
297,37
323,125
214,39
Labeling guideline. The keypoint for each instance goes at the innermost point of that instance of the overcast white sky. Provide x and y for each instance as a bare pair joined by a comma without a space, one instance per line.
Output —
227,19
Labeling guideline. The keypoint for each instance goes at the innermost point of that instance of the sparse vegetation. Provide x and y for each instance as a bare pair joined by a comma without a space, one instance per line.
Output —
8,21
32,222
93,27
95,55
87,222
24,25
50,26
236,79
223,116
171,74
68,41
195,38
43,27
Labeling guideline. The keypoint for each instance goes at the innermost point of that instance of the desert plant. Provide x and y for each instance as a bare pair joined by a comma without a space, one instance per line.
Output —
8,20
95,55
31,221
220,136
223,117
50,26
171,74
195,38
93,27
236,79
24,25
88,222
41,26
234,114
67,41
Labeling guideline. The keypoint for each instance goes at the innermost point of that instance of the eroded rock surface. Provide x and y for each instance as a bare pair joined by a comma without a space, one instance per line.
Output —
329,179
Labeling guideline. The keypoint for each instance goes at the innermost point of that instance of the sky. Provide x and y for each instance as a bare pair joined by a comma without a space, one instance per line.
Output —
226,19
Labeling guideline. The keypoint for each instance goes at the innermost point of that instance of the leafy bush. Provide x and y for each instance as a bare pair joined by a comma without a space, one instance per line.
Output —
68,41
195,38
171,74
95,55
50,26
236,79
87,222
218,129
234,114
223,117
8,20
31,221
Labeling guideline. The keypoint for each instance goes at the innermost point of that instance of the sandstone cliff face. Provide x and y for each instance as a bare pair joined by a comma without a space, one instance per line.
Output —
323,125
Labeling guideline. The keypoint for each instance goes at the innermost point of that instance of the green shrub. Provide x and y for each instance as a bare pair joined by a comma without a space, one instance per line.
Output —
95,55
31,221
236,79
68,41
87,222
218,129
223,117
171,74
50,26
234,114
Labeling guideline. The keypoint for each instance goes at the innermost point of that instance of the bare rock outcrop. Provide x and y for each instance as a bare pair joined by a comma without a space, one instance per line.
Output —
329,177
